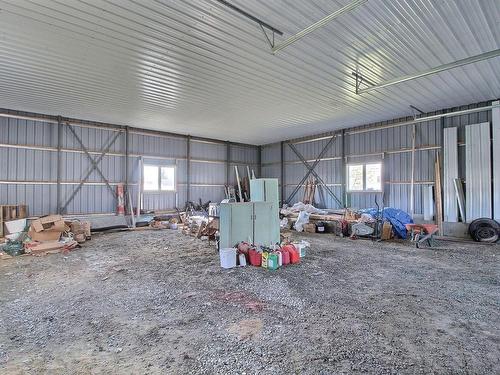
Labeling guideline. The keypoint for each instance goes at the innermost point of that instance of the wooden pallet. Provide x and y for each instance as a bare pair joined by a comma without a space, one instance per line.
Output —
11,212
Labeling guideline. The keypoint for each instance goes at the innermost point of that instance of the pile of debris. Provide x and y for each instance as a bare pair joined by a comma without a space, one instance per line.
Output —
201,220
375,223
200,226
47,235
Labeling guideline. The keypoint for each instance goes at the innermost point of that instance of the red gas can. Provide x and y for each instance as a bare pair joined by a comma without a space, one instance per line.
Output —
255,257
294,255
286,254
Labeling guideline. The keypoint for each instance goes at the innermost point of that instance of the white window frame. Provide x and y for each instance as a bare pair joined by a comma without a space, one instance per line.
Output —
364,190
159,190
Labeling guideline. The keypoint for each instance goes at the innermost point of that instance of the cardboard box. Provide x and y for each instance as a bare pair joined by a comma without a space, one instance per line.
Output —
386,231
310,228
51,222
48,228
46,235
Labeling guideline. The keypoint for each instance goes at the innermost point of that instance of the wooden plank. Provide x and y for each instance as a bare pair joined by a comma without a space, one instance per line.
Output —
438,193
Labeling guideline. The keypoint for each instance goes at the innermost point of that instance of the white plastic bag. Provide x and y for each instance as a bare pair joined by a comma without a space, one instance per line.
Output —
284,223
302,219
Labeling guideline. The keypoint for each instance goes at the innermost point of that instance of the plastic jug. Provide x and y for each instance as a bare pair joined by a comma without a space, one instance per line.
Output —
265,256
286,253
242,260
280,257
272,261
286,257
255,257
294,255
302,248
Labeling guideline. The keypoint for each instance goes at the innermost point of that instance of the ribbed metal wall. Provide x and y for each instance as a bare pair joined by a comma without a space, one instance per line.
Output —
369,143
28,168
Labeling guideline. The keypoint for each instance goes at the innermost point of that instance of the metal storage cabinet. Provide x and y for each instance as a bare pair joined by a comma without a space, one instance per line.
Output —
257,222
264,190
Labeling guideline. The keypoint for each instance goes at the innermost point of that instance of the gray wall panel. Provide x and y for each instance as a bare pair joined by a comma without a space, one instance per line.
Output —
208,173
213,194
39,198
208,151
245,155
364,147
271,153
24,168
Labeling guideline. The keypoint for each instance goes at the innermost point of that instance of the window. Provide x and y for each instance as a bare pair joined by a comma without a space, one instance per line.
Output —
355,177
167,178
156,178
364,177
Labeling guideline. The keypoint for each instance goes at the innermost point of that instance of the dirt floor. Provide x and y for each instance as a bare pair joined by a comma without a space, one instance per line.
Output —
156,302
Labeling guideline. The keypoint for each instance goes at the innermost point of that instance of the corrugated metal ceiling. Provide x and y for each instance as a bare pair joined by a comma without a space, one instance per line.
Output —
197,67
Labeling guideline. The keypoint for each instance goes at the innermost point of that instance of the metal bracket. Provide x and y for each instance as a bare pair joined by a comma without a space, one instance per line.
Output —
359,81
271,42
251,17
416,109
94,165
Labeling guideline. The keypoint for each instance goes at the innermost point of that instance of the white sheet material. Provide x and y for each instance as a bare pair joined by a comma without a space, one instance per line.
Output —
478,171
450,173
298,207
495,120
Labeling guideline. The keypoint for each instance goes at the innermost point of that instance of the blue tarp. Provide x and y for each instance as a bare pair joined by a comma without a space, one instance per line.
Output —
398,218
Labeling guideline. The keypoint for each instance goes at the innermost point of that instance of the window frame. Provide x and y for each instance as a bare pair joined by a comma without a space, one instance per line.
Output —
159,168
364,190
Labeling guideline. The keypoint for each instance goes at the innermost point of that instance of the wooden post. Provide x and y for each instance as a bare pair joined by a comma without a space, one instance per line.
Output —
438,192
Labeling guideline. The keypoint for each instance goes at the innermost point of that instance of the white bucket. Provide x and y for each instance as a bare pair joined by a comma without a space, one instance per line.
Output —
227,257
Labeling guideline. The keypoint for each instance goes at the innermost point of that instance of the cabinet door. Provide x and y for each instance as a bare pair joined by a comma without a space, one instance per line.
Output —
271,188
236,223
257,190
266,224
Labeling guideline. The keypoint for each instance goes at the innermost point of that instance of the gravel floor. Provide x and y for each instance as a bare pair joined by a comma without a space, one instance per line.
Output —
156,302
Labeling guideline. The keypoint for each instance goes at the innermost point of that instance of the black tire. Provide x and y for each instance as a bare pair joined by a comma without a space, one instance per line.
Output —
484,230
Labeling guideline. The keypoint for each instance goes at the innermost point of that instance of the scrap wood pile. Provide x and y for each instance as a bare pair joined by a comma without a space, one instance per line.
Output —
385,223
199,221
164,222
199,226
45,235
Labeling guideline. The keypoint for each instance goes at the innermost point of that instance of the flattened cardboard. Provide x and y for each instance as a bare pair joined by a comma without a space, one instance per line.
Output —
46,235
50,219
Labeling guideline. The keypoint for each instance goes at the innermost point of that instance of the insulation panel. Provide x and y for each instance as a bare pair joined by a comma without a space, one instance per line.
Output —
450,171
495,121
478,171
